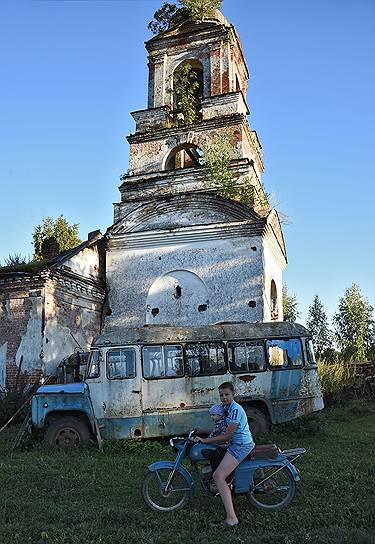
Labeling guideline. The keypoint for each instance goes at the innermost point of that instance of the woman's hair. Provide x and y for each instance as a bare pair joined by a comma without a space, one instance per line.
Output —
227,385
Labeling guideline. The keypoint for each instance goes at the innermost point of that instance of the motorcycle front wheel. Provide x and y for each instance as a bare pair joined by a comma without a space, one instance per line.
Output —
158,498
274,488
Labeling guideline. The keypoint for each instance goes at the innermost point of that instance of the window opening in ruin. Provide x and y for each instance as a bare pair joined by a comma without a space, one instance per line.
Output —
252,303
187,88
155,312
202,307
274,306
184,156
177,292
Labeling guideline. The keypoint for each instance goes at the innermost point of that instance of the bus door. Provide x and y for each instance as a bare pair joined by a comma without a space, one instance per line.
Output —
122,395
247,362
94,379
164,395
285,360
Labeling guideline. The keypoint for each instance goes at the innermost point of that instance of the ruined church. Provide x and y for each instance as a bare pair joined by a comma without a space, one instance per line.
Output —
178,251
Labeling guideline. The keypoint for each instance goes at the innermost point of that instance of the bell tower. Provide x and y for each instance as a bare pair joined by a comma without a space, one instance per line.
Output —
178,252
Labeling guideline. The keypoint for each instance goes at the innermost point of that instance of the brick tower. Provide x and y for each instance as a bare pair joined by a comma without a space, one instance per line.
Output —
178,252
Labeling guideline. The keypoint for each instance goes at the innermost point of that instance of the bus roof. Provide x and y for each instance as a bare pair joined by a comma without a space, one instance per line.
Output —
160,334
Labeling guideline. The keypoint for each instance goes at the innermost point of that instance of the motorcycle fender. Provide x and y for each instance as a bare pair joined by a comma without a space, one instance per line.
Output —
294,472
181,469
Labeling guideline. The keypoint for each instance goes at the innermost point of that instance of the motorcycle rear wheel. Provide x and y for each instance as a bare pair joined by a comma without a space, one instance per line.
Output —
276,493
155,496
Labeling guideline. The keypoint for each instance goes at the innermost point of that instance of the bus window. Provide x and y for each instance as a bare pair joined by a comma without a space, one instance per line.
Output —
205,359
246,356
162,361
284,353
121,364
94,365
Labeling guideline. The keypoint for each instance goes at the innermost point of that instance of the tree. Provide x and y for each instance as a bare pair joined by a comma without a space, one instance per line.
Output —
15,260
317,323
162,18
217,155
65,234
354,325
199,9
290,305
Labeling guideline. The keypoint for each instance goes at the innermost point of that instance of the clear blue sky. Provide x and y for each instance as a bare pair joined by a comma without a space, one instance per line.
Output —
71,71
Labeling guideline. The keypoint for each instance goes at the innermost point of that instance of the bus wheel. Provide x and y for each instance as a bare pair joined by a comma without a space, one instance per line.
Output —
258,421
66,432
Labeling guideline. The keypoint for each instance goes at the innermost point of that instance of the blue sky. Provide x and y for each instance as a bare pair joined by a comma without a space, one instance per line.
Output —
71,71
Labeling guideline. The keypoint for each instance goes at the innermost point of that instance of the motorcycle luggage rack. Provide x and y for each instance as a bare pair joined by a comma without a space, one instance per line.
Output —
293,453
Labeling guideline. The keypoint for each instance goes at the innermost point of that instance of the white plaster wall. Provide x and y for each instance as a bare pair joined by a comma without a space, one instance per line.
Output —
3,363
31,342
85,263
231,271
58,341
272,271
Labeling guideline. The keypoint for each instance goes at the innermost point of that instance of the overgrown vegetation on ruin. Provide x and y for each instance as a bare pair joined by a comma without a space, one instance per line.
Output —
197,10
217,155
186,91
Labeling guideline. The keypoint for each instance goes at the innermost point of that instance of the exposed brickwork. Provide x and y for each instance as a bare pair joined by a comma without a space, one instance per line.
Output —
43,315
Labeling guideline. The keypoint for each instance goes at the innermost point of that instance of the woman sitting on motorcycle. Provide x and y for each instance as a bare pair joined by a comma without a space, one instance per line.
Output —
240,445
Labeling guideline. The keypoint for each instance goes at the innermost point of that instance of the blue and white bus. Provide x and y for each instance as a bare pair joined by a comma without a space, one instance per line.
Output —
160,380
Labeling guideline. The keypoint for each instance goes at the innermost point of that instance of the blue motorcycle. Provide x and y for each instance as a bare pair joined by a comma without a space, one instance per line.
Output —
267,476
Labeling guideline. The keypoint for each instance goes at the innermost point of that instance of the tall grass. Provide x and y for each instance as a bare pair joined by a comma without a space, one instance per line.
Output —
336,377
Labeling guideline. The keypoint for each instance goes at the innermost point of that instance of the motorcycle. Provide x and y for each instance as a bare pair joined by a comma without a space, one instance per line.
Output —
267,476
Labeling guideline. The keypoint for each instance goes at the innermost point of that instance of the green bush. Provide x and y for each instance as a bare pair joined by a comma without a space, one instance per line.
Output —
9,404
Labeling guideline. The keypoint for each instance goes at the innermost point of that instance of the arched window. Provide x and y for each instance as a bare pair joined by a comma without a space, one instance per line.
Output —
184,156
274,305
188,90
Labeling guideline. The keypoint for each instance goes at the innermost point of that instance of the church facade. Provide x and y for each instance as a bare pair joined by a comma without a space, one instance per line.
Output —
178,252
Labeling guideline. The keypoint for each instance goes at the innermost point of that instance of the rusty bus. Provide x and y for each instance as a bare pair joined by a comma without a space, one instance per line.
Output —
160,380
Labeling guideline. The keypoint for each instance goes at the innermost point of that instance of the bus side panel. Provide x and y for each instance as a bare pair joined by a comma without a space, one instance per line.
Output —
295,393
160,423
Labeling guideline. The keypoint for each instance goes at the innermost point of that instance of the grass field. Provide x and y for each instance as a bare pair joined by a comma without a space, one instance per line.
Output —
90,497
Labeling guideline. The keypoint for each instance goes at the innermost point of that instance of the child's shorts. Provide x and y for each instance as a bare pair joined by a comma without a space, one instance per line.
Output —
240,451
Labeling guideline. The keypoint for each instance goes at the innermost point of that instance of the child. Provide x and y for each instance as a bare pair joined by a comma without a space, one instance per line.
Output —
217,415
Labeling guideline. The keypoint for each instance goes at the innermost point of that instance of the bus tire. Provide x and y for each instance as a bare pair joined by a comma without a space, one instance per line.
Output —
258,421
67,432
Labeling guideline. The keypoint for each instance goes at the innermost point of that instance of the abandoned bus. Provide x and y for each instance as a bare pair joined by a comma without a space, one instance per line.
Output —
160,380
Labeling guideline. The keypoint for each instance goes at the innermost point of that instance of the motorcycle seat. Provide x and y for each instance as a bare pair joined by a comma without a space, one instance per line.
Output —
264,451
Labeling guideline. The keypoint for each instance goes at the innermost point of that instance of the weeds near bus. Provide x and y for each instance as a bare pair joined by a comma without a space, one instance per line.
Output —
335,377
